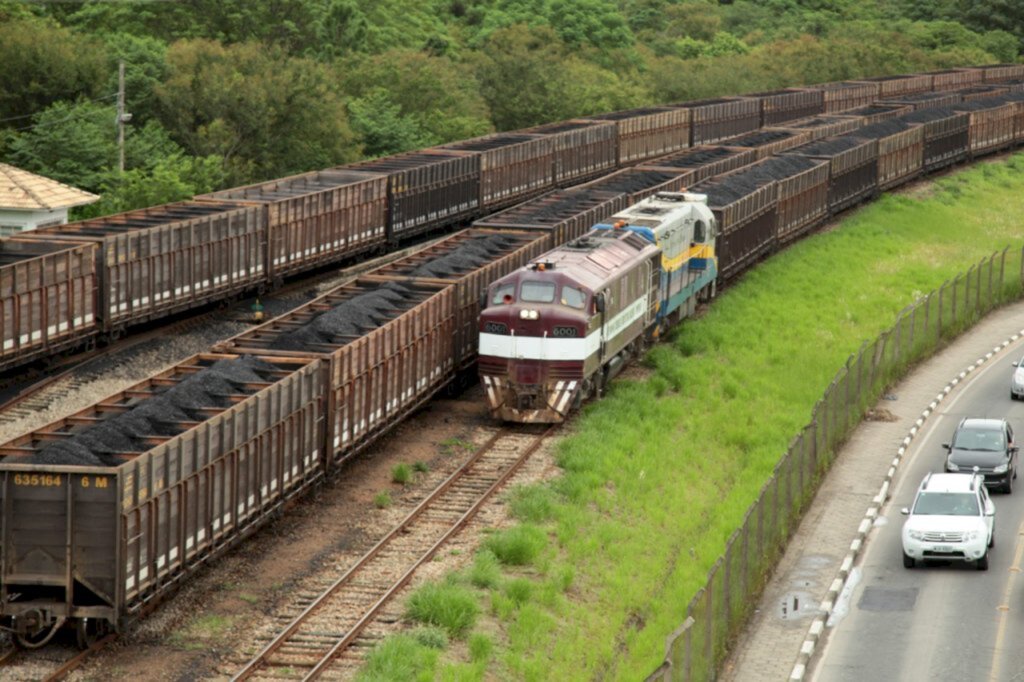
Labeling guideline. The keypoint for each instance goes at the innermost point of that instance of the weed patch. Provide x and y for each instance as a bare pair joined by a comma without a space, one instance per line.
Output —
446,605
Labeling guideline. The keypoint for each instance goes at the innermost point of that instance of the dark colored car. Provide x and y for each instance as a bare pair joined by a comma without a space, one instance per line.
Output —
985,446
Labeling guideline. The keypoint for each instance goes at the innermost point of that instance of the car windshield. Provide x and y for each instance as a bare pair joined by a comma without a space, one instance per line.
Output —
969,439
947,504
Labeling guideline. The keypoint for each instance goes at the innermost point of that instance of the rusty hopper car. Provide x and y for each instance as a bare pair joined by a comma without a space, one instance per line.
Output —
770,141
468,261
900,150
991,124
853,168
388,347
823,126
983,92
956,79
564,214
582,149
778,106
745,210
109,510
700,163
925,100
874,113
946,137
713,120
48,298
647,133
158,261
640,183
316,218
427,189
997,73
802,183
897,86
513,166
846,95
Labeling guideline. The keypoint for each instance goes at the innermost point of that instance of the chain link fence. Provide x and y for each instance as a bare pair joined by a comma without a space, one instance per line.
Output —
718,611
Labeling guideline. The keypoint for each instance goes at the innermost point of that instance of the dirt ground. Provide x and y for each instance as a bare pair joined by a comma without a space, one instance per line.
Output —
208,629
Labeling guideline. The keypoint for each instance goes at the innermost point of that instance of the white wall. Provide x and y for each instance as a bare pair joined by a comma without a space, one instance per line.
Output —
12,221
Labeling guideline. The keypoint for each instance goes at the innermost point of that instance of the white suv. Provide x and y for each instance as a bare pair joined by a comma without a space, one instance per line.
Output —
952,519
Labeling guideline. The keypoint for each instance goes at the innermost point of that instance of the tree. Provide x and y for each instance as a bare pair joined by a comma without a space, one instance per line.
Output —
267,114
382,128
43,63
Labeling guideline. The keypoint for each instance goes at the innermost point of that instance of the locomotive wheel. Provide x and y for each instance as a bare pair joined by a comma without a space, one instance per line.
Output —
39,639
89,630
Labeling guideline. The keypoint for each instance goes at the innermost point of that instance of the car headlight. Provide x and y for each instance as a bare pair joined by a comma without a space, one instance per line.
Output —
1001,469
972,535
915,535
950,466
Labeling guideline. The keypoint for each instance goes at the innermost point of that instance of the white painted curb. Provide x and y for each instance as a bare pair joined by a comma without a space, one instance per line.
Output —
828,603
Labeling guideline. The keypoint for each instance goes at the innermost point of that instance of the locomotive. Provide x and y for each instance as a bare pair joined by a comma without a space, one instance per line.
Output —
555,332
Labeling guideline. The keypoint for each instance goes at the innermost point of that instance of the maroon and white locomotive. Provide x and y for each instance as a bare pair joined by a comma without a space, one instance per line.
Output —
554,332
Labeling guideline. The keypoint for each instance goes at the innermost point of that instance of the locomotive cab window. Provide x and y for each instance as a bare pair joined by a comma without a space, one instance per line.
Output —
504,293
537,292
573,297
700,233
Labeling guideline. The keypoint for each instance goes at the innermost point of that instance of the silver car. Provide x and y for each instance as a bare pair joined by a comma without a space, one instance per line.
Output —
1017,380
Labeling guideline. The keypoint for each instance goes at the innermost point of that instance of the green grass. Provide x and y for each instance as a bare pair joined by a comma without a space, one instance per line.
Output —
420,467
382,500
447,605
202,633
450,446
658,474
400,657
401,474
517,546
486,570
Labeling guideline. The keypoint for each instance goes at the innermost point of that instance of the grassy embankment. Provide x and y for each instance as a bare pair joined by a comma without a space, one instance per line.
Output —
659,474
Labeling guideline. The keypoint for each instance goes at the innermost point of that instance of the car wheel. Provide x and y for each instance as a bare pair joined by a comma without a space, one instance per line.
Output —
992,538
1008,486
908,561
983,563
1012,396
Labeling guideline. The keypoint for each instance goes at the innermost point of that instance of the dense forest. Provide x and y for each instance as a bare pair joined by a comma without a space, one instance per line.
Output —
227,92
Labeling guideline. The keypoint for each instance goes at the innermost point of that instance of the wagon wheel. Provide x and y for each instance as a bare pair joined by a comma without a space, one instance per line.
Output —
89,630
40,639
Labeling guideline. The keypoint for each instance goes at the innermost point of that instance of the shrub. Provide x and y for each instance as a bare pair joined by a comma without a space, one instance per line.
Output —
445,605
517,546
382,500
401,474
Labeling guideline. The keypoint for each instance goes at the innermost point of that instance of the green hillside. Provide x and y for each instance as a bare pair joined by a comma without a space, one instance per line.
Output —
229,92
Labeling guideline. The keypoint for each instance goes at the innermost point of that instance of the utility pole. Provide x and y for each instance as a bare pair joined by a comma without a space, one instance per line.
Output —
122,116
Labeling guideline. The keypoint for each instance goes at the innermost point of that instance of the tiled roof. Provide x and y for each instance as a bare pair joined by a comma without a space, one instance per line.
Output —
23,190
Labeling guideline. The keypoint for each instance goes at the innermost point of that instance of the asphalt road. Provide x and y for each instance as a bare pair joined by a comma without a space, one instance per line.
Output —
937,622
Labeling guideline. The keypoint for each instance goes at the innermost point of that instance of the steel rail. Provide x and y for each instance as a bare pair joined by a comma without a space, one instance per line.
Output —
275,644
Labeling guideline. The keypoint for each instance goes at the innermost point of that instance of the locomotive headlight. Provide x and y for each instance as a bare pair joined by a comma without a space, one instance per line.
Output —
529,315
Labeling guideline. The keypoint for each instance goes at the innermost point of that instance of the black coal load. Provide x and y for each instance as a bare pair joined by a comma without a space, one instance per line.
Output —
633,181
466,257
929,115
979,105
560,207
350,319
877,131
727,189
161,415
694,158
829,147
758,139
872,110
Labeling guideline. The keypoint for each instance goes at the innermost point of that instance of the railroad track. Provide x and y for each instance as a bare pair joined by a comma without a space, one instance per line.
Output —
328,631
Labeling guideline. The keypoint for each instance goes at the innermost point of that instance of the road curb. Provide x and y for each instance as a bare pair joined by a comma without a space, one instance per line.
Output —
817,628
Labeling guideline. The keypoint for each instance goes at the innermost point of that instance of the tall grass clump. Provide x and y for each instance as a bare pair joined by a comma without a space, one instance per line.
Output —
401,473
399,657
517,546
485,571
658,474
449,606
533,504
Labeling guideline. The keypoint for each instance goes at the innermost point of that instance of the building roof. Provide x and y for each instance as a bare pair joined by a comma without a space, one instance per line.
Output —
20,189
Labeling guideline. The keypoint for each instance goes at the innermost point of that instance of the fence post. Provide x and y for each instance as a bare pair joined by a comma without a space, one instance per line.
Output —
977,293
938,329
956,283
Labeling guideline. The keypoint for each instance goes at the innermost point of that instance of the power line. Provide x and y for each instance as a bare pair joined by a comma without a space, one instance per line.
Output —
93,100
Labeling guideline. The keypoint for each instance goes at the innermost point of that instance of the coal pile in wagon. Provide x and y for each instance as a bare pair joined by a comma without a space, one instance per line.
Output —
929,115
158,416
828,147
466,257
695,158
633,181
759,139
877,131
557,207
728,189
350,319
979,105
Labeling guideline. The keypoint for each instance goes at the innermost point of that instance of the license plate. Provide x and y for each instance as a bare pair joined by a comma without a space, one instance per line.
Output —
945,549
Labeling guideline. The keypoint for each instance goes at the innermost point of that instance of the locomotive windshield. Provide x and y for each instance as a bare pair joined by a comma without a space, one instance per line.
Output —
573,297
503,292
537,292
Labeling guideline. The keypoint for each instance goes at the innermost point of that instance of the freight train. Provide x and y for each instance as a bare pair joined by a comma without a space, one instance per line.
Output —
109,510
